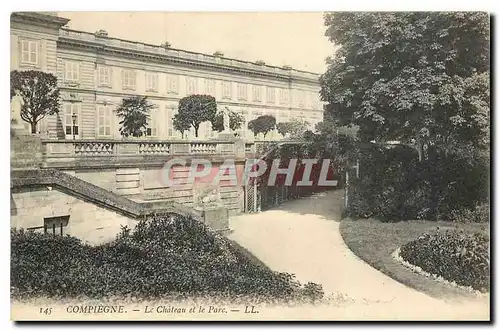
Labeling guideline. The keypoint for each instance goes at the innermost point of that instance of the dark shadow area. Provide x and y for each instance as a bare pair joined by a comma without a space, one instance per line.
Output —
327,204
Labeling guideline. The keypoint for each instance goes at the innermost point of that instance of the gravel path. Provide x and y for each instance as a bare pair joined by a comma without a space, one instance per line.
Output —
302,237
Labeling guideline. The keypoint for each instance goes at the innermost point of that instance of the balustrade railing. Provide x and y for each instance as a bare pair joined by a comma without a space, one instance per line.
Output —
69,150
203,148
182,54
162,148
93,148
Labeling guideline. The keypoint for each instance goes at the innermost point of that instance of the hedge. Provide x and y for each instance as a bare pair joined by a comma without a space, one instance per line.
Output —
164,255
394,185
455,255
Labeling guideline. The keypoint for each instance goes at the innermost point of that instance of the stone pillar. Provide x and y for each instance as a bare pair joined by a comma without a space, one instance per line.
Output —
239,149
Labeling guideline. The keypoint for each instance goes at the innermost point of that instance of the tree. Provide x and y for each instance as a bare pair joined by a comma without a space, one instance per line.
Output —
235,121
180,125
194,110
262,124
39,92
134,114
421,78
295,128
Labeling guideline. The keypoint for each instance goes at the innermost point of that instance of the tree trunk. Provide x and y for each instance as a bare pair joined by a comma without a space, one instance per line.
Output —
33,127
433,175
196,131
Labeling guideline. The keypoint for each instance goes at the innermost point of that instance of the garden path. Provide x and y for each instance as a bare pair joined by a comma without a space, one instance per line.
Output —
303,237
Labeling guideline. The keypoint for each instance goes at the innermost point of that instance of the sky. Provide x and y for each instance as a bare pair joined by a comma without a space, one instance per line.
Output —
277,38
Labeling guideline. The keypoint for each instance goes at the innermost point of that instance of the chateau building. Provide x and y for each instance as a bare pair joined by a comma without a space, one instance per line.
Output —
95,72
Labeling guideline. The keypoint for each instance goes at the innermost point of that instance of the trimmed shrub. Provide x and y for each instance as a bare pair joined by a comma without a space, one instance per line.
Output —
164,255
480,214
455,255
395,185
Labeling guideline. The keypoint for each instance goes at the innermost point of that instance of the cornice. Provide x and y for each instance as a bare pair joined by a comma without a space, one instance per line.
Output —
101,49
35,18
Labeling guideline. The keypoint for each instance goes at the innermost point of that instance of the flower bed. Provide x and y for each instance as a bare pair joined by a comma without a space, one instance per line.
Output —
453,256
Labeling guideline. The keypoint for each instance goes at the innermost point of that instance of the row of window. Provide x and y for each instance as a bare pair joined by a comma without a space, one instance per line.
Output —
105,117
29,55
129,82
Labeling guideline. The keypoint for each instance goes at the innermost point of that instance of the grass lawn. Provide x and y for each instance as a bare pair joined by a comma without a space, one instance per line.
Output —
374,242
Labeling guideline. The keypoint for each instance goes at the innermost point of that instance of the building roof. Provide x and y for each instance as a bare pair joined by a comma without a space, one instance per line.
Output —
101,38
47,18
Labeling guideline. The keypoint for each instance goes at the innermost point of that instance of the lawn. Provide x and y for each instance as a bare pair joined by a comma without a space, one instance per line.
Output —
374,242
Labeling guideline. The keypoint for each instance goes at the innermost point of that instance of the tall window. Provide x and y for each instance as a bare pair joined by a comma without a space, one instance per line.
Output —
210,87
284,96
283,116
173,84
270,95
171,132
104,74
29,51
226,90
71,129
242,91
151,81
308,99
257,93
190,85
104,118
301,98
313,97
128,79
152,130
71,71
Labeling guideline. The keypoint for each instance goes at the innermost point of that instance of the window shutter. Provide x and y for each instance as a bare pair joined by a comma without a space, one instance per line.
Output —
41,57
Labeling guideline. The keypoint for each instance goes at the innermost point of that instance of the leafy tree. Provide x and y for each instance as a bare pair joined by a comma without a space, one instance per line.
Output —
39,92
421,78
134,114
180,125
194,110
295,128
235,121
262,124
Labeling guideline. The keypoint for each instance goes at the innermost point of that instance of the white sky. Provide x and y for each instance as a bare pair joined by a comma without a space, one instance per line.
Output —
278,38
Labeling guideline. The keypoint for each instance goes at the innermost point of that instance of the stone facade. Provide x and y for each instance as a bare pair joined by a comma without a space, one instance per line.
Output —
31,208
95,72
145,184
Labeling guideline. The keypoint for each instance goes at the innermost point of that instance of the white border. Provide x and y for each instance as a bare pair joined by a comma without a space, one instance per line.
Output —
189,5
397,256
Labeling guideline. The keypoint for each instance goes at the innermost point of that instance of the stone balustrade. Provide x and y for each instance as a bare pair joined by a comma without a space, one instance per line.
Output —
186,55
60,152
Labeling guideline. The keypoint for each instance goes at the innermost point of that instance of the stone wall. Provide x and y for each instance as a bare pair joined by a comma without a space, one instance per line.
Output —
148,184
94,224
25,151
154,187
